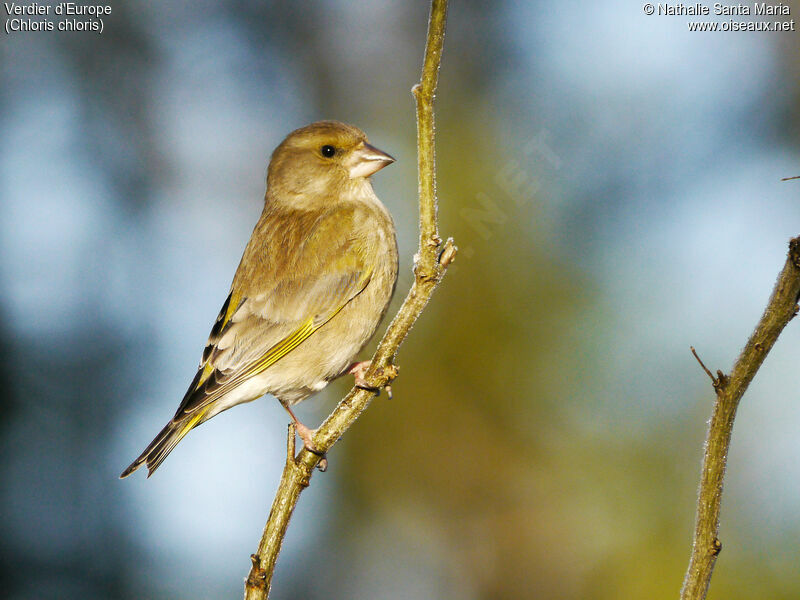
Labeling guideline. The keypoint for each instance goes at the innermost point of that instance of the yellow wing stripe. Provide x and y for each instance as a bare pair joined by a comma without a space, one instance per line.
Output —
283,347
208,369
233,306
192,423
278,351
293,340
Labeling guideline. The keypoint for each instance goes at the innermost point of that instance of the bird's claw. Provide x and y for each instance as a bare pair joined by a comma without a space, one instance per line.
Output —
306,434
360,368
357,370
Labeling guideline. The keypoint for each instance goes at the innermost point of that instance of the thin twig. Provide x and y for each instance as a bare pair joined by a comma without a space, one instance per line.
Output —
430,266
781,308
702,364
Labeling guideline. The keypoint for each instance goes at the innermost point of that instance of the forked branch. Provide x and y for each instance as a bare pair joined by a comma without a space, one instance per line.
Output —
781,308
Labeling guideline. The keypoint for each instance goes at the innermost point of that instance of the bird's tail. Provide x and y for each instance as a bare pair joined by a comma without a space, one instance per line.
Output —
164,442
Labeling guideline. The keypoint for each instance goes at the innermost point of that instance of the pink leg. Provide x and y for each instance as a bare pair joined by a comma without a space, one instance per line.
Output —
304,432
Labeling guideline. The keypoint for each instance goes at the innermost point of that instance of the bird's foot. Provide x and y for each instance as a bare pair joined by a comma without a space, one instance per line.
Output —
360,368
357,370
306,434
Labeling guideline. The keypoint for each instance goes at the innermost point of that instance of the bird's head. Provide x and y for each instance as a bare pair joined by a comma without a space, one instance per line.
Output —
323,157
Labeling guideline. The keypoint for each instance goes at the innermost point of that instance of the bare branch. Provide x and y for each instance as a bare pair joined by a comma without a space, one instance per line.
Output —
430,266
781,308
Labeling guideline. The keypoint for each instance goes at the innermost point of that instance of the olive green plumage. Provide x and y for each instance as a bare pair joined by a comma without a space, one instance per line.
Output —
313,284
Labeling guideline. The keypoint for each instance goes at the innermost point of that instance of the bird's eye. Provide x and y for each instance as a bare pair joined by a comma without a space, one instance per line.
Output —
327,151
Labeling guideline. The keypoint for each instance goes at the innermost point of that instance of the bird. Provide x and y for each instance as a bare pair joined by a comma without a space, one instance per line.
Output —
313,284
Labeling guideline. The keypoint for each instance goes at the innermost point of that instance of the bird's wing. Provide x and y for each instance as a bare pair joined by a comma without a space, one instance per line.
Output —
251,333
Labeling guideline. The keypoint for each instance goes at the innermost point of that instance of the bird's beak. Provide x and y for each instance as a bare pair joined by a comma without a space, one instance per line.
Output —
367,160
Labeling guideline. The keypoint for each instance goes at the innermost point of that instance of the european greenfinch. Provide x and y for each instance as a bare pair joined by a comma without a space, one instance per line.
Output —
313,284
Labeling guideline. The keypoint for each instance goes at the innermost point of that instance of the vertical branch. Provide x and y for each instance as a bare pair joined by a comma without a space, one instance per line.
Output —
424,93
430,267
260,578
781,308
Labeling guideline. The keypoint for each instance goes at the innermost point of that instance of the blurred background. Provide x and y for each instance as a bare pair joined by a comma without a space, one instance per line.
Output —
613,182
